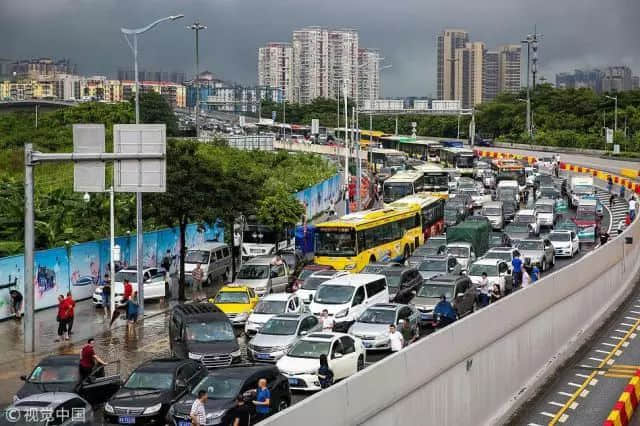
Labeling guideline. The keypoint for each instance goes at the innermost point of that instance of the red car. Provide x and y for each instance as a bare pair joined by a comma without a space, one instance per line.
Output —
306,271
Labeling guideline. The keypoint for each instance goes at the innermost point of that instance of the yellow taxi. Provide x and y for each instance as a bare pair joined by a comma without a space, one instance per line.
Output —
236,301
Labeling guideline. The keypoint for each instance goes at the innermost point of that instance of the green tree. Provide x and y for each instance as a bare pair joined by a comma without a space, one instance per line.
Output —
154,108
280,209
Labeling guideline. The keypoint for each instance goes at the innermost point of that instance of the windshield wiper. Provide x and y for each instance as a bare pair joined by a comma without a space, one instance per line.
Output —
151,392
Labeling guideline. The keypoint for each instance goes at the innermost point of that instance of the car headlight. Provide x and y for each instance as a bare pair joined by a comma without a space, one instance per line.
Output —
349,267
197,357
212,418
15,399
153,409
343,313
236,354
108,408
284,348
242,316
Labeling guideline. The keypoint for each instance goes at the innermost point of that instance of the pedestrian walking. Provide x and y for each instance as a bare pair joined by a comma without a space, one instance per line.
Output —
106,295
395,339
262,401
327,321
622,192
16,302
409,335
197,274
128,290
240,414
198,414
71,306
525,195
526,278
483,290
535,274
611,200
633,204
167,260
89,359
516,264
325,375
496,294
609,184
62,317
132,307
444,312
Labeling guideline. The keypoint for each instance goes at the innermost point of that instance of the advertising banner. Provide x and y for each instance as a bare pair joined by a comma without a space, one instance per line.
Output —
85,269
51,276
11,278
319,198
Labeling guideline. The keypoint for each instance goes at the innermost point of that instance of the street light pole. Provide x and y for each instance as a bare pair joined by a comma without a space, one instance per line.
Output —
346,148
112,244
139,243
196,26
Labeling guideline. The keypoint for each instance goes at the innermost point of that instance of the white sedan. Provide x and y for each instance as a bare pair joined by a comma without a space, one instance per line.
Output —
345,354
565,243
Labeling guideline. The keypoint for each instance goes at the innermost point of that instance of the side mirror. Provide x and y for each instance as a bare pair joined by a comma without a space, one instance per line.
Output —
304,333
248,395
460,295
337,355
23,378
181,385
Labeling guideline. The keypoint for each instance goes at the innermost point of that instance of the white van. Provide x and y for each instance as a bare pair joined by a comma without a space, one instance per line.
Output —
511,184
347,296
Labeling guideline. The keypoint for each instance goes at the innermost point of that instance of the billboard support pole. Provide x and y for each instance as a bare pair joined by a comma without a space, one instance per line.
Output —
29,297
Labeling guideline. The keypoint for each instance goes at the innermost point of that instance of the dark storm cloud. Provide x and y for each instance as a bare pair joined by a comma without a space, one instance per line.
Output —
577,33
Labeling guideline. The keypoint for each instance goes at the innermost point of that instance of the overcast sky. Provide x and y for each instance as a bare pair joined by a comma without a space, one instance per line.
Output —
577,33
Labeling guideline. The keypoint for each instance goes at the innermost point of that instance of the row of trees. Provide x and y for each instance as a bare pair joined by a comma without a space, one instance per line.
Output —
561,117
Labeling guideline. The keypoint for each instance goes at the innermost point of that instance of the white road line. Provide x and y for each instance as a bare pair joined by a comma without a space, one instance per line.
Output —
615,337
565,393
574,405
557,404
625,324
634,312
608,344
533,424
632,318
625,344
610,362
584,376
602,352
632,336
596,359
563,418
584,393
621,331
544,413
593,382
618,352
574,384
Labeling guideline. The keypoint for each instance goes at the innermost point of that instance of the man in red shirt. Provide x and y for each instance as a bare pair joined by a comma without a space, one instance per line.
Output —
62,318
128,291
88,359
71,305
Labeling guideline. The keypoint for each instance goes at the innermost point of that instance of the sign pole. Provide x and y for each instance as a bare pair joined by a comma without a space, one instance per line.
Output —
29,297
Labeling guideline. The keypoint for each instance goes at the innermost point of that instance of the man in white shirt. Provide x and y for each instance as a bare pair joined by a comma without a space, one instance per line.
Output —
395,338
197,414
327,321
632,208
483,289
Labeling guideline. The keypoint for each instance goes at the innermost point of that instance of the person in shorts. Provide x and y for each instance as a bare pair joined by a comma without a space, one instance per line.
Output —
16,302
197,274
132,308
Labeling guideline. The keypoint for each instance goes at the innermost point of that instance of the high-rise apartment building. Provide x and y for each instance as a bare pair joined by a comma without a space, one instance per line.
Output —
509,60
41,68
343,63
490,83
635,82
369,88
616,79
448,42
468,73
274,68
152,75
310,68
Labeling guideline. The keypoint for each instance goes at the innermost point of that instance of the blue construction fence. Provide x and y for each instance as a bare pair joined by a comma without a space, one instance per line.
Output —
319,197
79,268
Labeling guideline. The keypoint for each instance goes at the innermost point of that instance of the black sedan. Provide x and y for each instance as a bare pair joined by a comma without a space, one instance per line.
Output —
60,373
225,384
150,390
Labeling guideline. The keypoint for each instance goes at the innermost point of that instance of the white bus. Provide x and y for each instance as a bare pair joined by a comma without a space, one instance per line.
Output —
458,158
403,183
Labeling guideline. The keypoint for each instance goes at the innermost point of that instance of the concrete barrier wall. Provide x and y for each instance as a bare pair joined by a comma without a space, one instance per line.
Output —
478,370
316,149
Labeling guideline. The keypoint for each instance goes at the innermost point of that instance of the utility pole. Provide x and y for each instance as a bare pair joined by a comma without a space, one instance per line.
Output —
197,27
346,149
532,43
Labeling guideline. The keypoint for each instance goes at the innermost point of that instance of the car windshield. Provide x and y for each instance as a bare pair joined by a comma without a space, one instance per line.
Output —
544,208
232,297
253,272
54,374
464,161
495,254
312,283
587,214
280,327
305,273
476,270
378,316
205,332
197,256
149,380
123,276
434,291
525,218
334,294
372,269
270,307
529,245
517,228
583,189
335,242
434,265
218,387
458,251
495,238
560,236
393,278
470,191
309,349
492,211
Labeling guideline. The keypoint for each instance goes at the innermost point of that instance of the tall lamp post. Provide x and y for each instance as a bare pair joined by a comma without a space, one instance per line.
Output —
197,27
615,114
139,249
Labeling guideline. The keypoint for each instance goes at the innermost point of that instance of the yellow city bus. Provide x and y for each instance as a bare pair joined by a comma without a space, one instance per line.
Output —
353,241
432,210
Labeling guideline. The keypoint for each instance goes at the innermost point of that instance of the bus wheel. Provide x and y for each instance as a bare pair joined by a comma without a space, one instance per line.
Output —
406,252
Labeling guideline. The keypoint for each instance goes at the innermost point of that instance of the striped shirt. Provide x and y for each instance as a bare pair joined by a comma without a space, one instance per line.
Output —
197,274
197,411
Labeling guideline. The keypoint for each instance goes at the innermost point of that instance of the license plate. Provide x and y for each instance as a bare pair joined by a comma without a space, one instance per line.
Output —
262,356
293,382
184,423
256,250
127,420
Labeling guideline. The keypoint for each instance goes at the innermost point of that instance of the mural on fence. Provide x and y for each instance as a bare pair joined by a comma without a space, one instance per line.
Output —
85,269
55,273
11,278
50,276
319,197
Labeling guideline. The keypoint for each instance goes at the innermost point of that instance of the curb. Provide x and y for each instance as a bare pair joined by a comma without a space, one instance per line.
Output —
627,402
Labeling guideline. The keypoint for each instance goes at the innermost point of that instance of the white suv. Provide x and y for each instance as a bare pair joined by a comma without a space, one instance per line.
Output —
155,284
270,306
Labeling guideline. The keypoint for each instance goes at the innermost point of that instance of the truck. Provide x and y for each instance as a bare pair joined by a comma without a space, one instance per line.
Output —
580,186
474,232
587,220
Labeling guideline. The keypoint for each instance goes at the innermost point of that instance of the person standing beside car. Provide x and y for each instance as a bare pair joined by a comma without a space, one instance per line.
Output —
197,414
409,335
240,414
395,339
262,401
325,375
197,275
516,263
106,295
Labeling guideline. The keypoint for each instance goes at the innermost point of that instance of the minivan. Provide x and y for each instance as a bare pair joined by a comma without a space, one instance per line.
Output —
494,212
201,331
263,276
215,261
347,296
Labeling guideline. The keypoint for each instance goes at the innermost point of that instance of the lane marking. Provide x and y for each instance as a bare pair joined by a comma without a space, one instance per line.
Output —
596,359
602,352
556,403
634,312
574,406
584,376
563,418
584,393
620,331
608,344
625,324
575,384
615,337
544,413
618,352
565,393
632,318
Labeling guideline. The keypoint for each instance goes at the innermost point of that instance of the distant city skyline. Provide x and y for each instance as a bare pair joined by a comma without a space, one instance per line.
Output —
577,33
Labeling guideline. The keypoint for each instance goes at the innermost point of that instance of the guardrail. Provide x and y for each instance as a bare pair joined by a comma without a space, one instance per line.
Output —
316,149
481,368
626,405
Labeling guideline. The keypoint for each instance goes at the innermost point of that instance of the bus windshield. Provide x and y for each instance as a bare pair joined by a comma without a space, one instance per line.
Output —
586,214
464,161
396,190
436,180
260,235
335,242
